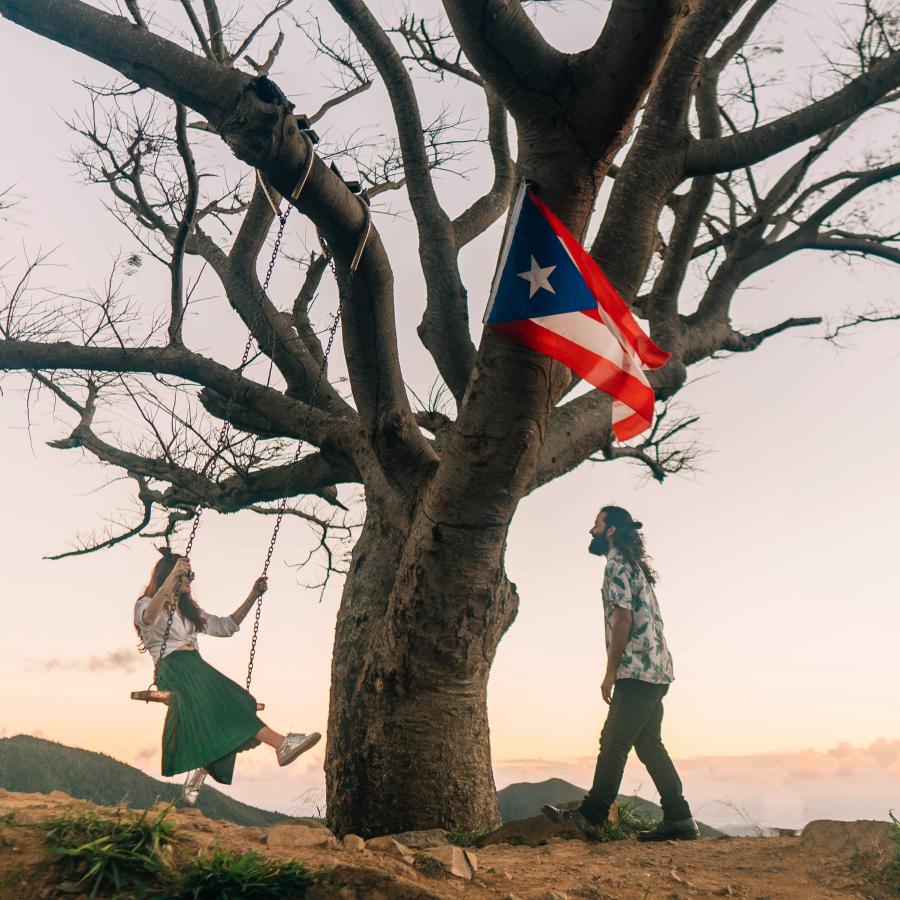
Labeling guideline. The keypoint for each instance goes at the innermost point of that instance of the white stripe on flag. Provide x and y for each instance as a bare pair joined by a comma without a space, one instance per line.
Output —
594,337
610,324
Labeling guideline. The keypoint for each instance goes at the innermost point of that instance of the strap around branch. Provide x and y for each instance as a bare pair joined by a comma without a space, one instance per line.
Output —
310,159
360,248
265,187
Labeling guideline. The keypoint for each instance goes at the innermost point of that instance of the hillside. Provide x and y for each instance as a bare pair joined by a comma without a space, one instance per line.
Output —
203,858
33,765
525,799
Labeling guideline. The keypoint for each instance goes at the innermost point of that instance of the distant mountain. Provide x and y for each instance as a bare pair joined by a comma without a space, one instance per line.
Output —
33,765
525,799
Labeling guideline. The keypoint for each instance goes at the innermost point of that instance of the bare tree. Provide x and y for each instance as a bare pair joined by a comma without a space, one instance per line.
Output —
426,598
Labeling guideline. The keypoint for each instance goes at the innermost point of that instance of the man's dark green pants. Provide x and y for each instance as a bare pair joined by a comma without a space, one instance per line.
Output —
634,720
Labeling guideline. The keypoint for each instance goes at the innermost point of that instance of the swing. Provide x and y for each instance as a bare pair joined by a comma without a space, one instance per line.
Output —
165,696
152,694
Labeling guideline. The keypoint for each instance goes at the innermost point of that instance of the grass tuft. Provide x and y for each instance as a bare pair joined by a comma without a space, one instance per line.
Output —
226,875
11,879
429,866
631,821
111,855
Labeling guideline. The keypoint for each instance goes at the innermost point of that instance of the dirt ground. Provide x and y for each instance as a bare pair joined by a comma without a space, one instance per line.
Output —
778,868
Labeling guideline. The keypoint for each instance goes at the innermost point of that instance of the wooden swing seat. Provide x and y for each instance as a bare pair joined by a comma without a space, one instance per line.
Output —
164,697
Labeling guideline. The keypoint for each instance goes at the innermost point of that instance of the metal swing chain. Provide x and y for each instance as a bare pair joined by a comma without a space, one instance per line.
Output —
354,264
357,256
283,505
223,433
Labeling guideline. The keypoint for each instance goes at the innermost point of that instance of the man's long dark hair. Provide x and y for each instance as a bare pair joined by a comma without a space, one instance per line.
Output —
186,605
629,541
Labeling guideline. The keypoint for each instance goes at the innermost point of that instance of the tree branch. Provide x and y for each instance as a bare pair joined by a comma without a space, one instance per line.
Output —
265,66
146,502
343,97
314,474
248,40
135,11
705,157
216,37
273,330
284,413
860,246
198,29
744,343
445,326
317,267
575,431
256,122
487,209
629,53
739,37
659,450
864,319
145,58
506,49
653,165
188,217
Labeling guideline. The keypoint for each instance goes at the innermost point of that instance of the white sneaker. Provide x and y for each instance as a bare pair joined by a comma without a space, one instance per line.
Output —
295,744
191,790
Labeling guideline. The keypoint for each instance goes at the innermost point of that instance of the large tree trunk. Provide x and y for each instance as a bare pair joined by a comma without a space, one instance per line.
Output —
427,600
408,737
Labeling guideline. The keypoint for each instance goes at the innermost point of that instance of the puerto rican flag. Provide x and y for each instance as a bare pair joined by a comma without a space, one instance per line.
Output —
550,295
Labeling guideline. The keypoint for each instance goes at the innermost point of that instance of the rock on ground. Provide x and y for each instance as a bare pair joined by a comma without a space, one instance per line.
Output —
845,839
285,839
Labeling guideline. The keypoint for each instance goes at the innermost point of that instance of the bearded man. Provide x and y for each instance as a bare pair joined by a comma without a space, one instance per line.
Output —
638,675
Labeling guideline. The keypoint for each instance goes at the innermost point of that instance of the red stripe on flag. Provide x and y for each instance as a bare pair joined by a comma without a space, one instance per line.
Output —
607,296
630,427
597,370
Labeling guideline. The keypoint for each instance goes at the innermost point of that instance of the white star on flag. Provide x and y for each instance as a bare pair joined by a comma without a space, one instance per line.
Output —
537,278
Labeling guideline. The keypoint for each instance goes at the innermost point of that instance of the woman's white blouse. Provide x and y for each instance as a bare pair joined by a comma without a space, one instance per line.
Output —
183,633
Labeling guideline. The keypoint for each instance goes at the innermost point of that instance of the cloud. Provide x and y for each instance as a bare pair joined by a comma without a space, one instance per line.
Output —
880,759
124,660
145,756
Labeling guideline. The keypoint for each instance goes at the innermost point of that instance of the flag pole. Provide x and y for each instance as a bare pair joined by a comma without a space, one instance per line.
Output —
511,219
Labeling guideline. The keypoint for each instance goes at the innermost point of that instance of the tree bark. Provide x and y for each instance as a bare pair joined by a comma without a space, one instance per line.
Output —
419,624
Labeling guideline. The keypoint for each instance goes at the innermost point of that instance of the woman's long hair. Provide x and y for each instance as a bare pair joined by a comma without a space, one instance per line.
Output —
186,605
629,541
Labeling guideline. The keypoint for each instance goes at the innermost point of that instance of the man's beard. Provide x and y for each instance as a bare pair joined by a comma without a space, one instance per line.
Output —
599,545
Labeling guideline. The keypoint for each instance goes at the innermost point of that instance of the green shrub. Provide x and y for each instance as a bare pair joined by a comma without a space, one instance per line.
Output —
467,838
111,854
226,875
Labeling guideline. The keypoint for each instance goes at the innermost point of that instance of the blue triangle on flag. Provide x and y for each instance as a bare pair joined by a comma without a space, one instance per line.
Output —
552,283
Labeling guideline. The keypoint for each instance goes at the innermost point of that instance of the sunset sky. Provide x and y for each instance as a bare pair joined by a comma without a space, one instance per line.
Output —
777,586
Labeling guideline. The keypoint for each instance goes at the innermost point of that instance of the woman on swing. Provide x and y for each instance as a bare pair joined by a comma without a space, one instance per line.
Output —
210,718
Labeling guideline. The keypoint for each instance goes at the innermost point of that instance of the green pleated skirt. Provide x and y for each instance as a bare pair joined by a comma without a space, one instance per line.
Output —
210,717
